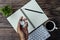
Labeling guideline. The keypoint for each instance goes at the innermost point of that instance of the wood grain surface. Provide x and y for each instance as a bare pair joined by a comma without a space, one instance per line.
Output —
50,7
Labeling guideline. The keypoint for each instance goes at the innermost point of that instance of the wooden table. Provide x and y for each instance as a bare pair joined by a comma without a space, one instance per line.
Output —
8,33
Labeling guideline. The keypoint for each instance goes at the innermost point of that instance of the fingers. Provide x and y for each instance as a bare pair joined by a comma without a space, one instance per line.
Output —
18,26
26,24
21,19
23,31
24,19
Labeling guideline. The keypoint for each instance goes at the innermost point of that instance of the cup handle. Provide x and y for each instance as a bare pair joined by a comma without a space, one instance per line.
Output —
56,28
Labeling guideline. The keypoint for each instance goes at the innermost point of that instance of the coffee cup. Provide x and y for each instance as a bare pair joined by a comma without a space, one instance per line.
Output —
50,25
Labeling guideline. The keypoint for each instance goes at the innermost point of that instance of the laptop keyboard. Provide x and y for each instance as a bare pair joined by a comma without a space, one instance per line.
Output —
39,34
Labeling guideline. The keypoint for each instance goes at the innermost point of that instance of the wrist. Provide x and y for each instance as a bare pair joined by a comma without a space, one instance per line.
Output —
22,38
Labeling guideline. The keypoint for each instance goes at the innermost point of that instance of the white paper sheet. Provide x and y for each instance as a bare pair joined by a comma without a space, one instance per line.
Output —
14,18
36,18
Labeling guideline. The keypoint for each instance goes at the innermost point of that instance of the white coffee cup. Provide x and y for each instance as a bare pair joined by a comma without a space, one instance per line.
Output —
52,27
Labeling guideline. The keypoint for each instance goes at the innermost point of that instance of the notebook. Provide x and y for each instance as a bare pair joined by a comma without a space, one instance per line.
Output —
32,12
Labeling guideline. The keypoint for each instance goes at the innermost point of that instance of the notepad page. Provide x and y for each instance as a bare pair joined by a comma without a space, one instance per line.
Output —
14,18
36,18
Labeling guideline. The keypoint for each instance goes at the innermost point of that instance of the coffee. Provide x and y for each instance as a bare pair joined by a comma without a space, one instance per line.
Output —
49,25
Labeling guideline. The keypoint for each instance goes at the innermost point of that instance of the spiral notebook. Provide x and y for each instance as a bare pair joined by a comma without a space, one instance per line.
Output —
32,12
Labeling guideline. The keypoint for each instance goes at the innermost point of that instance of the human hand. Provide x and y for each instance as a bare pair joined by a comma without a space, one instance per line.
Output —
23,32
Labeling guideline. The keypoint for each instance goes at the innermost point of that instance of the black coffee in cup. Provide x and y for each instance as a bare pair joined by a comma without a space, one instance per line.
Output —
49,25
